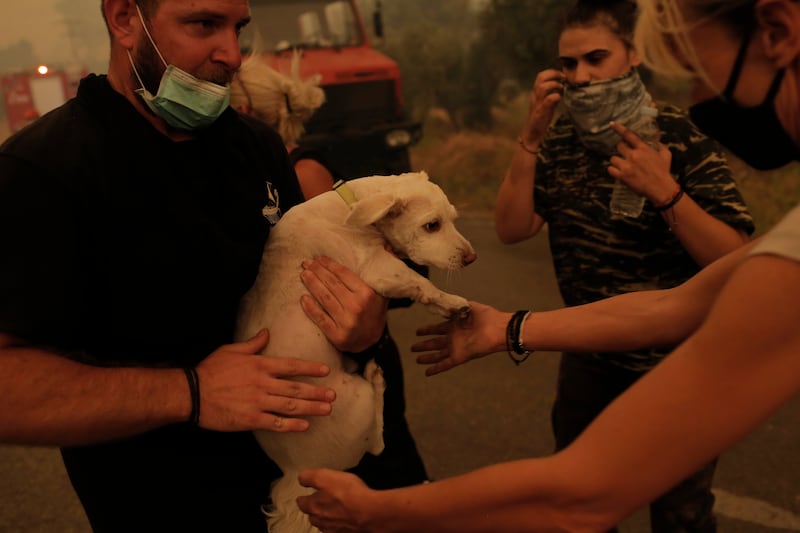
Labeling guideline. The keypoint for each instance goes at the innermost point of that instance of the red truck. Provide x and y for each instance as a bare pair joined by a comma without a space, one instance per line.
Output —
363,127
27,95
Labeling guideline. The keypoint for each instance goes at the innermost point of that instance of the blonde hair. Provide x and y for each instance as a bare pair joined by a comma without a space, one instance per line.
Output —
662,32
284,102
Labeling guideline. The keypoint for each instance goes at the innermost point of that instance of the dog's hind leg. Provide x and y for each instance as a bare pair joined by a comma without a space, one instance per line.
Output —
374,375
284,516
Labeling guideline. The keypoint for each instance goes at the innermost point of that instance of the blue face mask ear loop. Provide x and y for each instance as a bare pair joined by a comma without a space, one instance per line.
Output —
147,32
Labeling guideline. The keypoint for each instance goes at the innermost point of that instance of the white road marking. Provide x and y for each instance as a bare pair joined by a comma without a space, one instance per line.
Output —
754,511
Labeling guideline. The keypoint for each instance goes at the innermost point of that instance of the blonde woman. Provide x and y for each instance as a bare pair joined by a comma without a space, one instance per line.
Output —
736,320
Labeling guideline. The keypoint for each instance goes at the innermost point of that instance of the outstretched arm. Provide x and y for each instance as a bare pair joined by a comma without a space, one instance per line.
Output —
739,367
626,322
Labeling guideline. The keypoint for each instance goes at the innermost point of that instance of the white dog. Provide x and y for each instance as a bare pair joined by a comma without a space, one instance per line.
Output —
412,216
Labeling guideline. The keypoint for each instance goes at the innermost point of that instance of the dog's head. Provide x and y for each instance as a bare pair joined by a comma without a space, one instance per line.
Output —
416,219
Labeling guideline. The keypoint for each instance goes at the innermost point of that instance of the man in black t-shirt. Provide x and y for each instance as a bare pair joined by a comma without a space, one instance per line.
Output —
133,219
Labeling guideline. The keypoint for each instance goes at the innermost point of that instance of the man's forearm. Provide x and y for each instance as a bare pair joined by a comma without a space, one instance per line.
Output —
52,400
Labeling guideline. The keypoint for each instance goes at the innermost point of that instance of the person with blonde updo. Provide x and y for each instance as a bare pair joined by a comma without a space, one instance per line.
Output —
285,103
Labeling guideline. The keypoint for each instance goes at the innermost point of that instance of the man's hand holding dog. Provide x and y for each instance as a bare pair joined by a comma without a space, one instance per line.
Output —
347,310
242,392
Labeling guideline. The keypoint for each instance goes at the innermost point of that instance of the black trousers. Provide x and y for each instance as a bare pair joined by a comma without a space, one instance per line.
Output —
586,385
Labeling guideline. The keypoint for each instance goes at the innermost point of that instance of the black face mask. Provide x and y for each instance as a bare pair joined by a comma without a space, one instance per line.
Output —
754,134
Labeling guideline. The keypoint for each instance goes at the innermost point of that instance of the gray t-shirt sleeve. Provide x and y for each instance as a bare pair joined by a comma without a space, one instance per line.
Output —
784,239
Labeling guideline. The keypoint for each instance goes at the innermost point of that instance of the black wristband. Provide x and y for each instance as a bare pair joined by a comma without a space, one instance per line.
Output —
514,346
194,393
675,199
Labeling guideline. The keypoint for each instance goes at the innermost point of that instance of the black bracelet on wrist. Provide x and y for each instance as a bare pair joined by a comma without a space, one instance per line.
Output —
524,146
194,393
676,196
514,345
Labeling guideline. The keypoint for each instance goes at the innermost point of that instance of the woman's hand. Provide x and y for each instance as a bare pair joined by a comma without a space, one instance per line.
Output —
545,95
459,341
334,508
642,167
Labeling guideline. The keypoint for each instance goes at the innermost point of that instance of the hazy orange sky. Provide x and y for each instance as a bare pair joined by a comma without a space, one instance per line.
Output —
34,20
38,22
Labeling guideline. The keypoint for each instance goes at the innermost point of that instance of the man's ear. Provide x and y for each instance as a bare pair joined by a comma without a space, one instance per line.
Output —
123,21
780,20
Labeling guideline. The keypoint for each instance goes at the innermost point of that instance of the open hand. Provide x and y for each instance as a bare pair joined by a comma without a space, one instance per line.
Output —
458,341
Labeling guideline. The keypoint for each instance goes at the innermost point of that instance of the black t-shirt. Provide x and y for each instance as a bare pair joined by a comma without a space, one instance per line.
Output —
122,247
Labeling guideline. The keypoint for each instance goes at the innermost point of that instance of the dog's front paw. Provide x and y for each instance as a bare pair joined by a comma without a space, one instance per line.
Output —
449,306
460,313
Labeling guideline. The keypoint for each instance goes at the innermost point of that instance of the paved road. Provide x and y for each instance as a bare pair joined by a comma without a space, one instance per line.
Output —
484,412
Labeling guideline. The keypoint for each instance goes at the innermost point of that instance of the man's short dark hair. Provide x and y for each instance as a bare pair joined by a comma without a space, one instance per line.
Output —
148,7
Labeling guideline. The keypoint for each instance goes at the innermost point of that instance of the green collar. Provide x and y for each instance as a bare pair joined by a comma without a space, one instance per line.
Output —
344,191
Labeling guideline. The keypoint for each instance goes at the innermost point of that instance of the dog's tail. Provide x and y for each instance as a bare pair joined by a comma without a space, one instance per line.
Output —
284,516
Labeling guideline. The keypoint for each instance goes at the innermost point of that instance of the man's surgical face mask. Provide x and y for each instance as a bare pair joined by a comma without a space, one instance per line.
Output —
183,101
754,134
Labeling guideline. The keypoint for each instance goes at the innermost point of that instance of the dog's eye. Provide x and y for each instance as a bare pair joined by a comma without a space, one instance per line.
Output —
432,227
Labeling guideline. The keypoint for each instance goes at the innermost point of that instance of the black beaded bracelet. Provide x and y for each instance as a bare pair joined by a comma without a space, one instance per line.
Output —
514,345
194,393
675,199
524,146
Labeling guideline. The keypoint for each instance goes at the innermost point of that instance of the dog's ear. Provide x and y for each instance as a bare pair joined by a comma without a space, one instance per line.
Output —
370,210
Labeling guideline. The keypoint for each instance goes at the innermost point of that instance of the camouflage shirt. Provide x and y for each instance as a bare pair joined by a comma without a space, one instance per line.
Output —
597,255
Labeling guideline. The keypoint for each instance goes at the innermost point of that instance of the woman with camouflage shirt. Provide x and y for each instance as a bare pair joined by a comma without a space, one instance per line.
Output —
563,174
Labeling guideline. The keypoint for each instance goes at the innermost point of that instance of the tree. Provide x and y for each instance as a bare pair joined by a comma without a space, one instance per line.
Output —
18,56
455,54
432,43
521,36
85,32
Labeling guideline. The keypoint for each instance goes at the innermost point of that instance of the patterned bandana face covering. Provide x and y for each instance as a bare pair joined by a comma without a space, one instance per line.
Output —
183,101
594,105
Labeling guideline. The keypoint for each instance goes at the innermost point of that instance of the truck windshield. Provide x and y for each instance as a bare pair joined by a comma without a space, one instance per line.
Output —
280,25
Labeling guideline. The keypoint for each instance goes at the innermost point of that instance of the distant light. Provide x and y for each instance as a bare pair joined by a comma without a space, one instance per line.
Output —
398,138
42,69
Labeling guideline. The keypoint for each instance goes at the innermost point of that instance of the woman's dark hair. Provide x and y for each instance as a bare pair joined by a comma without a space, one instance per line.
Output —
619,16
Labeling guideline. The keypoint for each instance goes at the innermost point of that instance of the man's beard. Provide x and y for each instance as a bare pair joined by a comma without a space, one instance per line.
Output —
151,68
